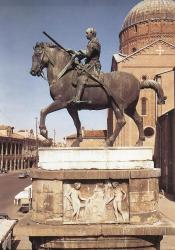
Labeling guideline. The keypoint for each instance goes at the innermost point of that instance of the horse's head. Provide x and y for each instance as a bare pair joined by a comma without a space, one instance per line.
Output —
40,59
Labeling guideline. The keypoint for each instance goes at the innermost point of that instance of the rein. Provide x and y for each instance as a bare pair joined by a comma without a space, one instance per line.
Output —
50,60
63,71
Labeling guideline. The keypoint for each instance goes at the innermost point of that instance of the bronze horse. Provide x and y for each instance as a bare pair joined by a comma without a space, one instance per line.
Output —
122,95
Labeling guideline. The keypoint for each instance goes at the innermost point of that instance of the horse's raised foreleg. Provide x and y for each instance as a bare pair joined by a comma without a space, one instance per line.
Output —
132,112
74,114
120,122
54,106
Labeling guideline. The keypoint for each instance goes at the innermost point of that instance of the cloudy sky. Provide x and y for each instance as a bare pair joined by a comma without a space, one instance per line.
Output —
21,24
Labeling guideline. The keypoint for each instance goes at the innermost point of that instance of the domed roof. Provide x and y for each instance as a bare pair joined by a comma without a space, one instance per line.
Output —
150,10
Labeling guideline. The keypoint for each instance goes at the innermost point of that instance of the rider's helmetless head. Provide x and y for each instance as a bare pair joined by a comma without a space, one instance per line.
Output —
90,33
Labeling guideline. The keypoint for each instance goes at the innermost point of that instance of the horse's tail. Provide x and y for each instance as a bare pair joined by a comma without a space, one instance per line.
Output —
152,84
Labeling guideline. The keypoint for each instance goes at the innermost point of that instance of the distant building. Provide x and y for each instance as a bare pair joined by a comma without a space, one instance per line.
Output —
147,49
91,138
18,150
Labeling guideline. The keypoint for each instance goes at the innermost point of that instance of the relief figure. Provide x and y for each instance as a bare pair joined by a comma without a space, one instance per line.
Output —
117,197
76,200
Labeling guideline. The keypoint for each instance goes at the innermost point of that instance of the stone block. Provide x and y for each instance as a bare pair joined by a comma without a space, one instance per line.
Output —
144,218
143,207
95,158
142,196
48,186
149,184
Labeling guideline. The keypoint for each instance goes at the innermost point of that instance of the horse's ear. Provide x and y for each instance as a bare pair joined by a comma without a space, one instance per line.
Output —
42,45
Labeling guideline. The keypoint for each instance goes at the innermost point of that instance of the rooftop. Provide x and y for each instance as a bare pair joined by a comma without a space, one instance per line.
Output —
150,10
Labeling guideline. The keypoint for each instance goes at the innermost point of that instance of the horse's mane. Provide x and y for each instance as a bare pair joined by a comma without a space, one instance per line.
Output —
43,44
51,45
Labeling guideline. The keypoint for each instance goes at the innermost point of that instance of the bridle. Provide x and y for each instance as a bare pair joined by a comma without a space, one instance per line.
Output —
42,52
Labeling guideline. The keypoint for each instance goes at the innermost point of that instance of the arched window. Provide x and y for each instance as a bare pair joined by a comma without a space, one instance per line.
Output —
135,28
144,106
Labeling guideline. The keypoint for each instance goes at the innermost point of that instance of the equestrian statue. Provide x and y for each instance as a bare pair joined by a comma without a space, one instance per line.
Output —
82,86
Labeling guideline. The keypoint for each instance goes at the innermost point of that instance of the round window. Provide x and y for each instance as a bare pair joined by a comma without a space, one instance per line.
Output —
149,131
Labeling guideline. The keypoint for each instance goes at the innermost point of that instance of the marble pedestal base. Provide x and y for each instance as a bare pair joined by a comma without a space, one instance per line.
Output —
96,199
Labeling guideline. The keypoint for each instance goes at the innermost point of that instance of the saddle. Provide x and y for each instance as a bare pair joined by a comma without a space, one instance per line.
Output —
91,78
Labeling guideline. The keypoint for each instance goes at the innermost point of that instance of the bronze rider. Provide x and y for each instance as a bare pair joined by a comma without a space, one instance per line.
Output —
92,62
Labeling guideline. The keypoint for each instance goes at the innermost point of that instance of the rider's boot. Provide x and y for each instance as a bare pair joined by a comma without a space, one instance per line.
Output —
79,92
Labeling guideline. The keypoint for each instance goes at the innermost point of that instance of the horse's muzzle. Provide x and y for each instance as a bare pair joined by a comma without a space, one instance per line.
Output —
34,73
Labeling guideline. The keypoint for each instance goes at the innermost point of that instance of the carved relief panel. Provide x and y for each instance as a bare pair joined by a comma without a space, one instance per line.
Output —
96,202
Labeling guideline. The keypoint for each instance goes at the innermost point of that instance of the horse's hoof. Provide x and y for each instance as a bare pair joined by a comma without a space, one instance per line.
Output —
80,138
109,143
44,133
139,143
76,143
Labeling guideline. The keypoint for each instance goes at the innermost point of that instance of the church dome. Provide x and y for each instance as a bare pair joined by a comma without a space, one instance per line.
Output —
148,10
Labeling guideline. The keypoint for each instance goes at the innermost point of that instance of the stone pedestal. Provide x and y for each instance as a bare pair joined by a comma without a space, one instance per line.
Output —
96,199
95,196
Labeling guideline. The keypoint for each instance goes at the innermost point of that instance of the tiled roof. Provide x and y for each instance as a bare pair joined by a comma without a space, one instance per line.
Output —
91,134
14,135
141,49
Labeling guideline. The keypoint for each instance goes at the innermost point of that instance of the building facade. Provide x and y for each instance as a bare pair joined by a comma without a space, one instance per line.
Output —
164,153
18,150
147,49
91,138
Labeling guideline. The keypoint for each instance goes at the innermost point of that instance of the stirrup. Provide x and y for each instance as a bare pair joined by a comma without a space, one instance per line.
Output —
74,101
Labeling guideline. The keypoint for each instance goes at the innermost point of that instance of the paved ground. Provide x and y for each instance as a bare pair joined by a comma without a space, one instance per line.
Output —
10,185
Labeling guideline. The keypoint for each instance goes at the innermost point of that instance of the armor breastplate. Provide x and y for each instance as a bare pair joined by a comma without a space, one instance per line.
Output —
93,50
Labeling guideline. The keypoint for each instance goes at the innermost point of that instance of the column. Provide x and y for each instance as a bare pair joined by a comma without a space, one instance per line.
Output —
2,154
18,164
10,165
6,164
10,148
15,162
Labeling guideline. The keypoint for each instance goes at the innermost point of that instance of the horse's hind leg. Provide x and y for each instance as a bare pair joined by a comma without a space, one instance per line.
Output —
74,114
132,112
120,122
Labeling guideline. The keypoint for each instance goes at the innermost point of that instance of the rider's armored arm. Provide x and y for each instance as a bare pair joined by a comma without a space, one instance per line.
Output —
81,54
93,48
